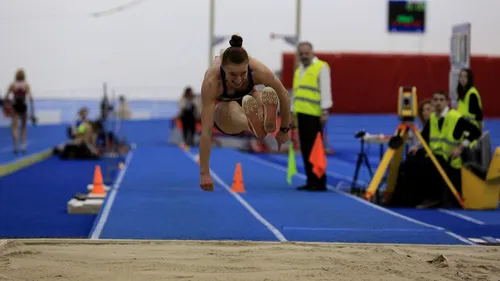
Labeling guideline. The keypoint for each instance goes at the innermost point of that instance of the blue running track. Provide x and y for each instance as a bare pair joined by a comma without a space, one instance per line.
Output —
157,196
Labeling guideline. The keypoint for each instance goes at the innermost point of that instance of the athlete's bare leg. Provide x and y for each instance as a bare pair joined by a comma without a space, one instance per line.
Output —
233,118
14,130
230,117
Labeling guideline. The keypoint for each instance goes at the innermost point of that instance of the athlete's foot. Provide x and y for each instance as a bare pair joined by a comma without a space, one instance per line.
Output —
270,101
251,110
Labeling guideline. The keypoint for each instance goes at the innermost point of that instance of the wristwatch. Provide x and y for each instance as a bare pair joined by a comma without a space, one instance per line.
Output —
285,129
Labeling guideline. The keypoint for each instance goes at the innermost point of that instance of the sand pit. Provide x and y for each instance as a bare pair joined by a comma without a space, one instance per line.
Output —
89,260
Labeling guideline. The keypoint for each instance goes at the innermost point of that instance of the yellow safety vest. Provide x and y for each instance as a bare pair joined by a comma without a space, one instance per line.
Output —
306,90
442,141
463,106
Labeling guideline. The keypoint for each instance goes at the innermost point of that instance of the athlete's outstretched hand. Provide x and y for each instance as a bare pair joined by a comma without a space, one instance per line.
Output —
206,182
281,138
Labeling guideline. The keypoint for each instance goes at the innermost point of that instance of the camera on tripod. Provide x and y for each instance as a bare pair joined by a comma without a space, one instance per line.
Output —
407,104
360,134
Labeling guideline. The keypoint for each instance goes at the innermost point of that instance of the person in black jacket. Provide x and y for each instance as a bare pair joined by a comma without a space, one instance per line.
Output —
188,116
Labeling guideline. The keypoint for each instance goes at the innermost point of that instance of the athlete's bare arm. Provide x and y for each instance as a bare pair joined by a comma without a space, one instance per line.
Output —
9,91
216,62
209,93
263,75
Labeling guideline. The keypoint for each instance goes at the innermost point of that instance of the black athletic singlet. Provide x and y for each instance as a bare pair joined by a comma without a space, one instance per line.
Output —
19,89
237,95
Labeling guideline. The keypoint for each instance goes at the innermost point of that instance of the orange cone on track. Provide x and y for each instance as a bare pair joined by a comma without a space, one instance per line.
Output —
238,186
98,186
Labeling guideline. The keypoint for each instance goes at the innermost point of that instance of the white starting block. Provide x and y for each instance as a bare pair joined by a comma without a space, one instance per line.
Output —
88,204
377,138
90,187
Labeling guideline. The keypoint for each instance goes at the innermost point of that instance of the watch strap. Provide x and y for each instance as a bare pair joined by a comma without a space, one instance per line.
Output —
285,129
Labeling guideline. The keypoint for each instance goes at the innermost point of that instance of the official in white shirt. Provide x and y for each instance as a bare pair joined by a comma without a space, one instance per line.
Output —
312,100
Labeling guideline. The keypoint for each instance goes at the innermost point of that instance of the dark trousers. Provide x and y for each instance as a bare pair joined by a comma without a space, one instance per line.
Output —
419,180
188,129
309,126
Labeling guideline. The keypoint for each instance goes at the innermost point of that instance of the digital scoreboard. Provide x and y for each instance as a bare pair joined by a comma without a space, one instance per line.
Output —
407,16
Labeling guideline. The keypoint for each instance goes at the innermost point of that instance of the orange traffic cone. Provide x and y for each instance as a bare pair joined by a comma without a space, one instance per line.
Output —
238,186
317,157
98,187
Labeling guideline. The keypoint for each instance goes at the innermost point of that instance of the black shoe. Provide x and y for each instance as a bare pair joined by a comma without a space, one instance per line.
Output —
320,189
304,187
427,204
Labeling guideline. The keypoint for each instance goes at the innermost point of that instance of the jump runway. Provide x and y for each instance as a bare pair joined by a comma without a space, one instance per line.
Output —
157,196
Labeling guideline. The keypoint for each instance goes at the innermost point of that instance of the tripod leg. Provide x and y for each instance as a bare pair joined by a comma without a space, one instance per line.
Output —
439,168
394,169
381,169
384,162
356,172
367,164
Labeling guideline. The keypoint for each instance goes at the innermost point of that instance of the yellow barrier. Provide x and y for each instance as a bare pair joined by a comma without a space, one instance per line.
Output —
482,191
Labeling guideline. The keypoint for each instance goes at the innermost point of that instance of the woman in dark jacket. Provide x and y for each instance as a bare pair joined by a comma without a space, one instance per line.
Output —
188,116
469,100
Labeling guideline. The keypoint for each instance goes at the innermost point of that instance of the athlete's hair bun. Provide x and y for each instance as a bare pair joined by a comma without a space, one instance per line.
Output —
236,41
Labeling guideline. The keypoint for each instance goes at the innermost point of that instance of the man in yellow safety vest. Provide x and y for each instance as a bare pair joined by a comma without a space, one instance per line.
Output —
448,133
312,100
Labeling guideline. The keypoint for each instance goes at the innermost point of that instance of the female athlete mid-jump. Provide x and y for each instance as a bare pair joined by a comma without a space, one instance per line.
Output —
231,103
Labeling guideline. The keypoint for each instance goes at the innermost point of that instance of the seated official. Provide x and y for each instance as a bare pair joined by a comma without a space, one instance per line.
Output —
83,129
83,136
425,109
447,133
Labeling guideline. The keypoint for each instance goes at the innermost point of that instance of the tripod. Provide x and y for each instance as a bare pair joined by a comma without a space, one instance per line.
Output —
362,159
395,154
